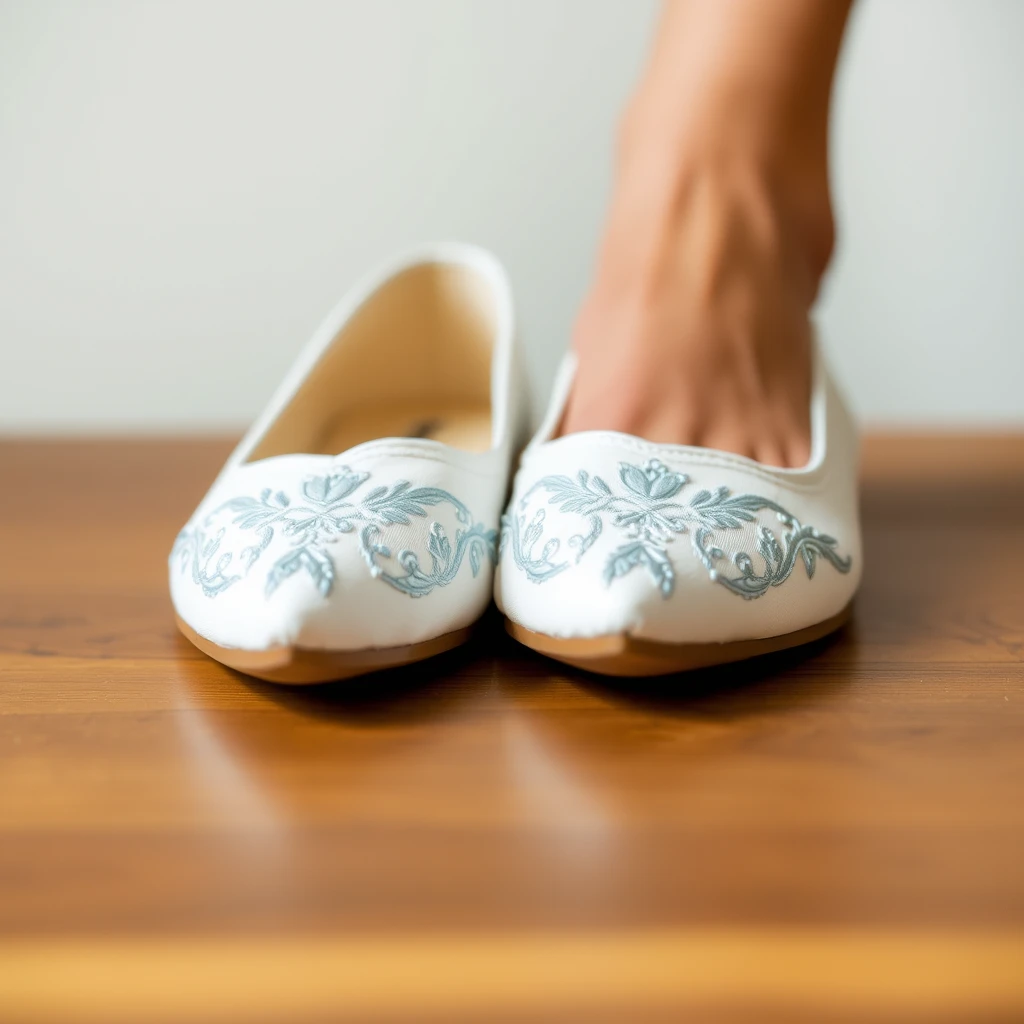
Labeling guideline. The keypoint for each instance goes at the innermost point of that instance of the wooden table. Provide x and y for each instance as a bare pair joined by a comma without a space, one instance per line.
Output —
836,834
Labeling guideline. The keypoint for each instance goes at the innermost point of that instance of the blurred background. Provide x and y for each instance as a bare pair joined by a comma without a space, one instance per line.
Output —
186,188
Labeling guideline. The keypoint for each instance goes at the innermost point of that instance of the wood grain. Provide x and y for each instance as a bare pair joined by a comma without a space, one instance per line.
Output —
867,792
623,975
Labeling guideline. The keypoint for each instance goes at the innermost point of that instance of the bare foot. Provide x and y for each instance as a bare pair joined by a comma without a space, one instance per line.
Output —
696,329
700,335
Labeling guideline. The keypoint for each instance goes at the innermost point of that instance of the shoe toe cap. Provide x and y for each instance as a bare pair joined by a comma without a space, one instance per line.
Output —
336,559
702,556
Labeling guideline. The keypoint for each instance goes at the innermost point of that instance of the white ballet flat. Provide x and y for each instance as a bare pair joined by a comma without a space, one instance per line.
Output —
355,526
631,558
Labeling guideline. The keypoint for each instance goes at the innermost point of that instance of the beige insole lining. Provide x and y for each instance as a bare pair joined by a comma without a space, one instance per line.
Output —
465,425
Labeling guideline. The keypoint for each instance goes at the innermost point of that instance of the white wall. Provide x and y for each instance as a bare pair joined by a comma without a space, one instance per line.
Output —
187,187
924,309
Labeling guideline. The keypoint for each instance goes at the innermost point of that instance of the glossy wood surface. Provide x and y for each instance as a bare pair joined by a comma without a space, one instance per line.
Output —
832,833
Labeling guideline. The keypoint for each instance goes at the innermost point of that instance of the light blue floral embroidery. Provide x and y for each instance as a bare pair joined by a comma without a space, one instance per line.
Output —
319,521
649,517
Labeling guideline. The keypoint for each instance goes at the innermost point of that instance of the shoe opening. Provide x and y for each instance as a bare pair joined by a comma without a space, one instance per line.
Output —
413,360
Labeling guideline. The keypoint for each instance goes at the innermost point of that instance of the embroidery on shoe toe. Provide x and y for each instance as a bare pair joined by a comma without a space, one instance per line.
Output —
649,517
318,521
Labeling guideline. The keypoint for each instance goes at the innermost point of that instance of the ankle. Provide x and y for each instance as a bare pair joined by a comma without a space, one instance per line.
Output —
714,216
662,179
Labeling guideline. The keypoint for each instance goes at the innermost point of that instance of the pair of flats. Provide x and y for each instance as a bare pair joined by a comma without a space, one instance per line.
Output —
364,521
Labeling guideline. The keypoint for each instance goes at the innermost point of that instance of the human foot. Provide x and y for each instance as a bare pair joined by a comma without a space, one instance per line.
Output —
696,330
699,333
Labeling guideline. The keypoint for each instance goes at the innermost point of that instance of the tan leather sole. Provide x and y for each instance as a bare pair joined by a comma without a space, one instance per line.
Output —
619,654
300,666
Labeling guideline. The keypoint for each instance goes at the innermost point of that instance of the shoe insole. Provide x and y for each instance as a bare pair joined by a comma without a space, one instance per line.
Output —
465,426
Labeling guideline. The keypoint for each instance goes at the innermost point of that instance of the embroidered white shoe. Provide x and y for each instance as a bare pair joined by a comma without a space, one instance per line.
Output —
355,526
631,558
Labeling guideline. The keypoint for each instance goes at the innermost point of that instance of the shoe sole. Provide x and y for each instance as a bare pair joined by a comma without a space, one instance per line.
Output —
303,666
619,654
